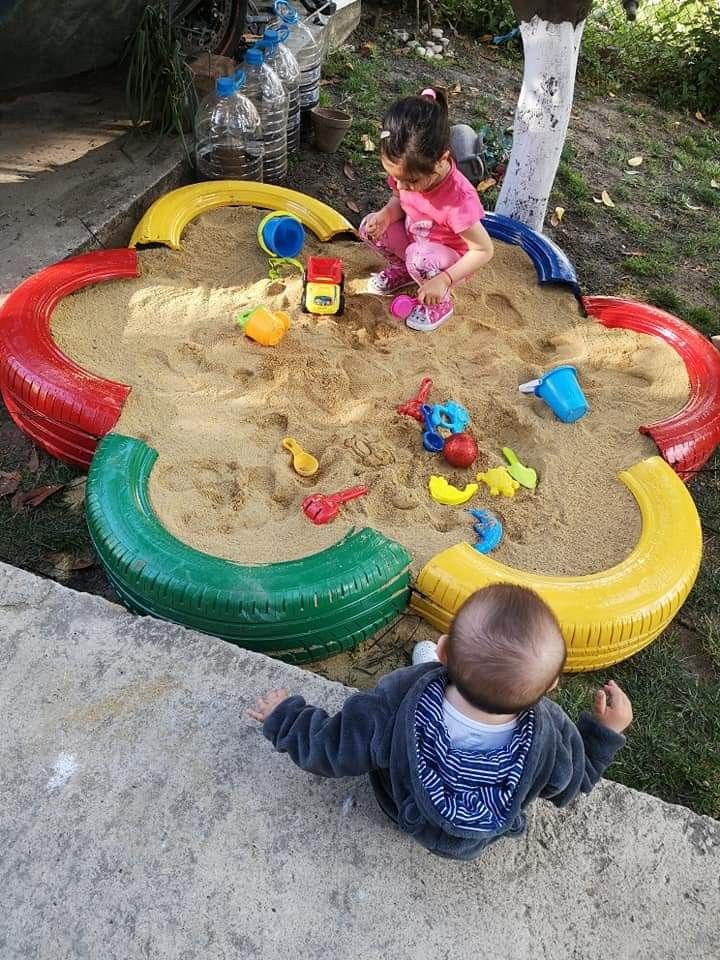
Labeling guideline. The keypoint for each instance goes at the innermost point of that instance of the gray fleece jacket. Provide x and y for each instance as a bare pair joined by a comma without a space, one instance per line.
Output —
375,734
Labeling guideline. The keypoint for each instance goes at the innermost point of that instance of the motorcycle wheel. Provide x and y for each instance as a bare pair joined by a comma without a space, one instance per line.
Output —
211,26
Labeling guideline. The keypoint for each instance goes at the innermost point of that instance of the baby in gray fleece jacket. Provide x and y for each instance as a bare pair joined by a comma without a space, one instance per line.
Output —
457,748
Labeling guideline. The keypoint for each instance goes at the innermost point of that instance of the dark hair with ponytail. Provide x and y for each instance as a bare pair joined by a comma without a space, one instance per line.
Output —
416,131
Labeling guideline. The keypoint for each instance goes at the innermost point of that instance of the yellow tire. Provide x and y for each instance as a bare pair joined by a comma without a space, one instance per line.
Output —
166,219
607,616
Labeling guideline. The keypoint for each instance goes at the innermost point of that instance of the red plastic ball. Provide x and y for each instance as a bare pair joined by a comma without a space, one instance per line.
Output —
460,450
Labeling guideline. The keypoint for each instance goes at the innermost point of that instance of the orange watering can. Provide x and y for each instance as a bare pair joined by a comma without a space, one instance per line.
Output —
265,326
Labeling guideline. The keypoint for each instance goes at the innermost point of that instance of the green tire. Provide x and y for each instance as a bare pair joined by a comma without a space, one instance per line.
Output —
299,611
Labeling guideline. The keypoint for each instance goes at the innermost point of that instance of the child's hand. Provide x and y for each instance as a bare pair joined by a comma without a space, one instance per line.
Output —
612,707
264,706
434,290
376,224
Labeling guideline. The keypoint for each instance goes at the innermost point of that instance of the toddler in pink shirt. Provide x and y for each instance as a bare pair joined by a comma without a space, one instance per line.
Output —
429,232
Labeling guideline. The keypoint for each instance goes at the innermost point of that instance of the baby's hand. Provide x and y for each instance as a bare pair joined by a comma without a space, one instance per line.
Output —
264,706
434,290
612,707
376,224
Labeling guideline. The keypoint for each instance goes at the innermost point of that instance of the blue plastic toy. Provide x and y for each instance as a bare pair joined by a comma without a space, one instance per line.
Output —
560,390
431,439
450,416
281,234
489,529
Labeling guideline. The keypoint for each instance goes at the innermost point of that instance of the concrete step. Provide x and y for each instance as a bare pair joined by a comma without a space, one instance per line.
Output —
144,816
72,176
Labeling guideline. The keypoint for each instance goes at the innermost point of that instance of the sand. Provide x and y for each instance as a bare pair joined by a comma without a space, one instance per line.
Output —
216,406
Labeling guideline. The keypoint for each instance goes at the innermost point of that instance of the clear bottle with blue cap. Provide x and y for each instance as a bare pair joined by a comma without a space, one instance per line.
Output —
307,53
264,88
282,60
228,134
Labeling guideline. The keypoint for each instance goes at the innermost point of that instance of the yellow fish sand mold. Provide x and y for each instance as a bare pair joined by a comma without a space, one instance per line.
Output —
443,492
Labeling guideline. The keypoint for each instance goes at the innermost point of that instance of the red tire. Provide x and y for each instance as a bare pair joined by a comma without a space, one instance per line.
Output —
687,439
59,404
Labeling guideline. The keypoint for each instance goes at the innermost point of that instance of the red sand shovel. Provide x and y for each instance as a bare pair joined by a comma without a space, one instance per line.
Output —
324,507
413,407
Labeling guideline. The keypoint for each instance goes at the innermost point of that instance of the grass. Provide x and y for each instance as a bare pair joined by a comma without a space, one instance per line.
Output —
29,535
573,190
673,748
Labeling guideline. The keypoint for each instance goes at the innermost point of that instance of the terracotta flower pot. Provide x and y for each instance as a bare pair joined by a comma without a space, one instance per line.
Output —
330,127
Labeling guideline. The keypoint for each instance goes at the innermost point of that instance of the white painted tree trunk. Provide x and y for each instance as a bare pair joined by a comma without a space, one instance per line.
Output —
541,118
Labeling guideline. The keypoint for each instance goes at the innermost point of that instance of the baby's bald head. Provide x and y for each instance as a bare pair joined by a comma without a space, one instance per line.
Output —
505,649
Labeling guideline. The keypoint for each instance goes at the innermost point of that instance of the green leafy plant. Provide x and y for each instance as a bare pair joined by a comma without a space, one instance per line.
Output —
672,51
159,87
475,17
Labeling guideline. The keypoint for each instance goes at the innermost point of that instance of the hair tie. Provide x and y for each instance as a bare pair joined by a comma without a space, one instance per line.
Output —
429,92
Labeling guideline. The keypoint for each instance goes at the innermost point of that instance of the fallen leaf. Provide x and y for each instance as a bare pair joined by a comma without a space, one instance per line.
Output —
611,94
677,166
34,461
605,199
33,498
351,205
700,117
715,185
326,83
691,206
634,253
486,184
635,161
74,496
597,200
63,564
349,172
556,216
456,89
9,482
368,145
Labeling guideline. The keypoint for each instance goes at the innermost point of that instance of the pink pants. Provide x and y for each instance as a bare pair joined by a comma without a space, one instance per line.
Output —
421,258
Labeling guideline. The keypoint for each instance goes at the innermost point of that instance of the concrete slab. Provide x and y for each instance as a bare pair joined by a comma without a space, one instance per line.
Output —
143,816
72,177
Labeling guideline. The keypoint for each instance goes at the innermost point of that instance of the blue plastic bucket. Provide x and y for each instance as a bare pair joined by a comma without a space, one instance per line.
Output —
281,235
560,390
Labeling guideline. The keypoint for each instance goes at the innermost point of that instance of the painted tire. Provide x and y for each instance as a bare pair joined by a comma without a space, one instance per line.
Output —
58,439
689,437
300,610
551,264
63,407
166,219
607,616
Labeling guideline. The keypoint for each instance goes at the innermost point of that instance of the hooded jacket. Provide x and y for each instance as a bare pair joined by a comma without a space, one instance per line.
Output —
377,732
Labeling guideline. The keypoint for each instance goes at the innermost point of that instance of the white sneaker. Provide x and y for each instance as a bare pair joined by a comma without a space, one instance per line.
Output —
426,319
389,280
424,652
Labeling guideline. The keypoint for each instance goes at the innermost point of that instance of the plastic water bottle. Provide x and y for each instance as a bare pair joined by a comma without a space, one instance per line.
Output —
307,53
283,62
264,88
228,135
